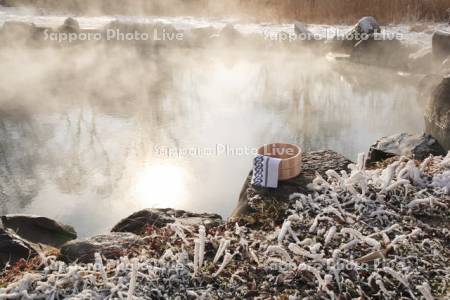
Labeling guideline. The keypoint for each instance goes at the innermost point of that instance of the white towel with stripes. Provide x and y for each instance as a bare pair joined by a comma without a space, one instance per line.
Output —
265,171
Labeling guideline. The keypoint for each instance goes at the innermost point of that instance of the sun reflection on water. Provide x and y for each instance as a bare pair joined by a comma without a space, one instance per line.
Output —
161,185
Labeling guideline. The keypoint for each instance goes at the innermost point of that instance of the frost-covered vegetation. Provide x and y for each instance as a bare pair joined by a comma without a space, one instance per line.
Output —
368,233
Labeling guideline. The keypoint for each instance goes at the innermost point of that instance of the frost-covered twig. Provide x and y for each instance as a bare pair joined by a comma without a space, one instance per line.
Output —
133,276
226,260
222,247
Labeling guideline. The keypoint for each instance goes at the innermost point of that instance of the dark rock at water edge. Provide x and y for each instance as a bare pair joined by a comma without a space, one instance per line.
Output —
70,26
110,246
441,45
313,163
138,222
38,229
365,28
13,248
437,113
417,146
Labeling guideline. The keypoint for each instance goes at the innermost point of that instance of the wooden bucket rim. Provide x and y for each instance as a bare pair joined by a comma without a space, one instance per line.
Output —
294,157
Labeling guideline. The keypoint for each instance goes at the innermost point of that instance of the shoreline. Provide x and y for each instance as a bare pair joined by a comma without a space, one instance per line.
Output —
282,237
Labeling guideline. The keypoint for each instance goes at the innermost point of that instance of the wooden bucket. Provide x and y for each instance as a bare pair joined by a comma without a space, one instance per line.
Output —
290,155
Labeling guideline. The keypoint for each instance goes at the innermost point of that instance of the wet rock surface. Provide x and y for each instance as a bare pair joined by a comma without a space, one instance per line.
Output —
139,221
313,163
418,146
38,229
437,113
14,248
111,246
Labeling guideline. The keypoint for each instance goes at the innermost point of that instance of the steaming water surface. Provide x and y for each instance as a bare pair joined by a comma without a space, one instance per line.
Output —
88,136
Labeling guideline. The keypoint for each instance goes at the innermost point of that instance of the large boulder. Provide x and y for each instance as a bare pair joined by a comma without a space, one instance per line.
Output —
417,146
441,45
139,221
313,163
437,113
363,30
38,229
110,246
13,248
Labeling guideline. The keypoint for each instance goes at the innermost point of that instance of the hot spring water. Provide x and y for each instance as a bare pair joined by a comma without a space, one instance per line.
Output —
88,136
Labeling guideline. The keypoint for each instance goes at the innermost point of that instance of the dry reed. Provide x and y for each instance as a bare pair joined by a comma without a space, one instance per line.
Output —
310,11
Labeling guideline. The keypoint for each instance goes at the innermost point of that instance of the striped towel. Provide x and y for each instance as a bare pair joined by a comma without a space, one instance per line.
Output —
265,171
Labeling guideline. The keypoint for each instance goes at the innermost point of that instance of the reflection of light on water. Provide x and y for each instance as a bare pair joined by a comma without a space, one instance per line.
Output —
161,185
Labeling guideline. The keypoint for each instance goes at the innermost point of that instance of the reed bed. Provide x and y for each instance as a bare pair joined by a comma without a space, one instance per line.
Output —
311,11
349,11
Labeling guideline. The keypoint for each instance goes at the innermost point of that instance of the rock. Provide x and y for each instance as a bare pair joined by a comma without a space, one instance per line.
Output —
70,26
368,25
418,146
363,30
441,45
320,162
437,113
14,248
300,28
138,222
110,246
39,229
